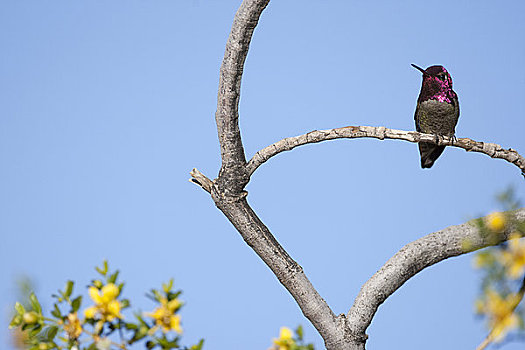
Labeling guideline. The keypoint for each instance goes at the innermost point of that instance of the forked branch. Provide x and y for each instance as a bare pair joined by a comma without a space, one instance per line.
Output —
233,176
414,257
227,191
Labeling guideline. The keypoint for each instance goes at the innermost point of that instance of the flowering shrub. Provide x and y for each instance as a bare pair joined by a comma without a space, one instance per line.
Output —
102,325
503,268
287,341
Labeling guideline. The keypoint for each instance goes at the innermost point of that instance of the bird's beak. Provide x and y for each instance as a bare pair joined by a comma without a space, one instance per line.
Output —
419,68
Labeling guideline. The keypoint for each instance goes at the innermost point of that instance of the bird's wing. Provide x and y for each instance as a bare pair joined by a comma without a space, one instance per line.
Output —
416,119
456,108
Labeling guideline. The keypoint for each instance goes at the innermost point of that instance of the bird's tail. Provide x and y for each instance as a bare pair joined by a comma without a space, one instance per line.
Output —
429,153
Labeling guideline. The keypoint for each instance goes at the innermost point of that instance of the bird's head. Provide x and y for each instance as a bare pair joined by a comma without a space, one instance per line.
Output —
437,76
437,83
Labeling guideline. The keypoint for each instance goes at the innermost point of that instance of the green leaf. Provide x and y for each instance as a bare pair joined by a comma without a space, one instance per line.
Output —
140,319
198,346
33,332
56,312
113,277
129,325
171,344
167,287
35,304
16,321
157,294
299,332
50,332
103,271
69,289
163,341
173,295
124,303
97,283
140,333
93,346
75,304
20,308
32,327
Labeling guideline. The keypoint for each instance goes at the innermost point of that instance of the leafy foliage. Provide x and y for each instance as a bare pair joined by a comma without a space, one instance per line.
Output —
503,269
101,326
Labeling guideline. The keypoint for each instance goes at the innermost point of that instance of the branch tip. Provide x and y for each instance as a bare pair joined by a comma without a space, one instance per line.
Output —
200,179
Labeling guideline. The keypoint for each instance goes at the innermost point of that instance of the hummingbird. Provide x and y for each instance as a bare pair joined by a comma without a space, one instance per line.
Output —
437,111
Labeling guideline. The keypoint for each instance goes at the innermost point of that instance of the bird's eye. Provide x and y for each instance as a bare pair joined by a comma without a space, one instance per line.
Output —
442,77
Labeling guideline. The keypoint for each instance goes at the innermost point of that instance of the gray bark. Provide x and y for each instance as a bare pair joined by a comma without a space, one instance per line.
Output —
352,132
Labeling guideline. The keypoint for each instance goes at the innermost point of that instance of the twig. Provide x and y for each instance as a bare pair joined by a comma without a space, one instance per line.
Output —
200,179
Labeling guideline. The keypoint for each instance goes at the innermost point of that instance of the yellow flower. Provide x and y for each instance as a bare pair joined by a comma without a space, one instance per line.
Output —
285,333
496,222
165,316
513,258
72,326
175,323
500,313
106,306
174,304
113,308
90,312
285,341
109,292
94,293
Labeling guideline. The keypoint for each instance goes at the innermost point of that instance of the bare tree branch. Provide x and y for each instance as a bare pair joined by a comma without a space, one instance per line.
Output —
227,191
233,176
351,132
411,259
289,273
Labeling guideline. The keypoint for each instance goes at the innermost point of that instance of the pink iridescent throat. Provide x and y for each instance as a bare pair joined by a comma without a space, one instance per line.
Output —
444,93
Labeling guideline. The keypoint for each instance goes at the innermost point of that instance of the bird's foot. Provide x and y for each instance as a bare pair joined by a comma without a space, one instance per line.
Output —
438,139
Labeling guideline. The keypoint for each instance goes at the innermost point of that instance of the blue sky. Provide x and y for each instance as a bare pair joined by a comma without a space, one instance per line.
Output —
105,107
